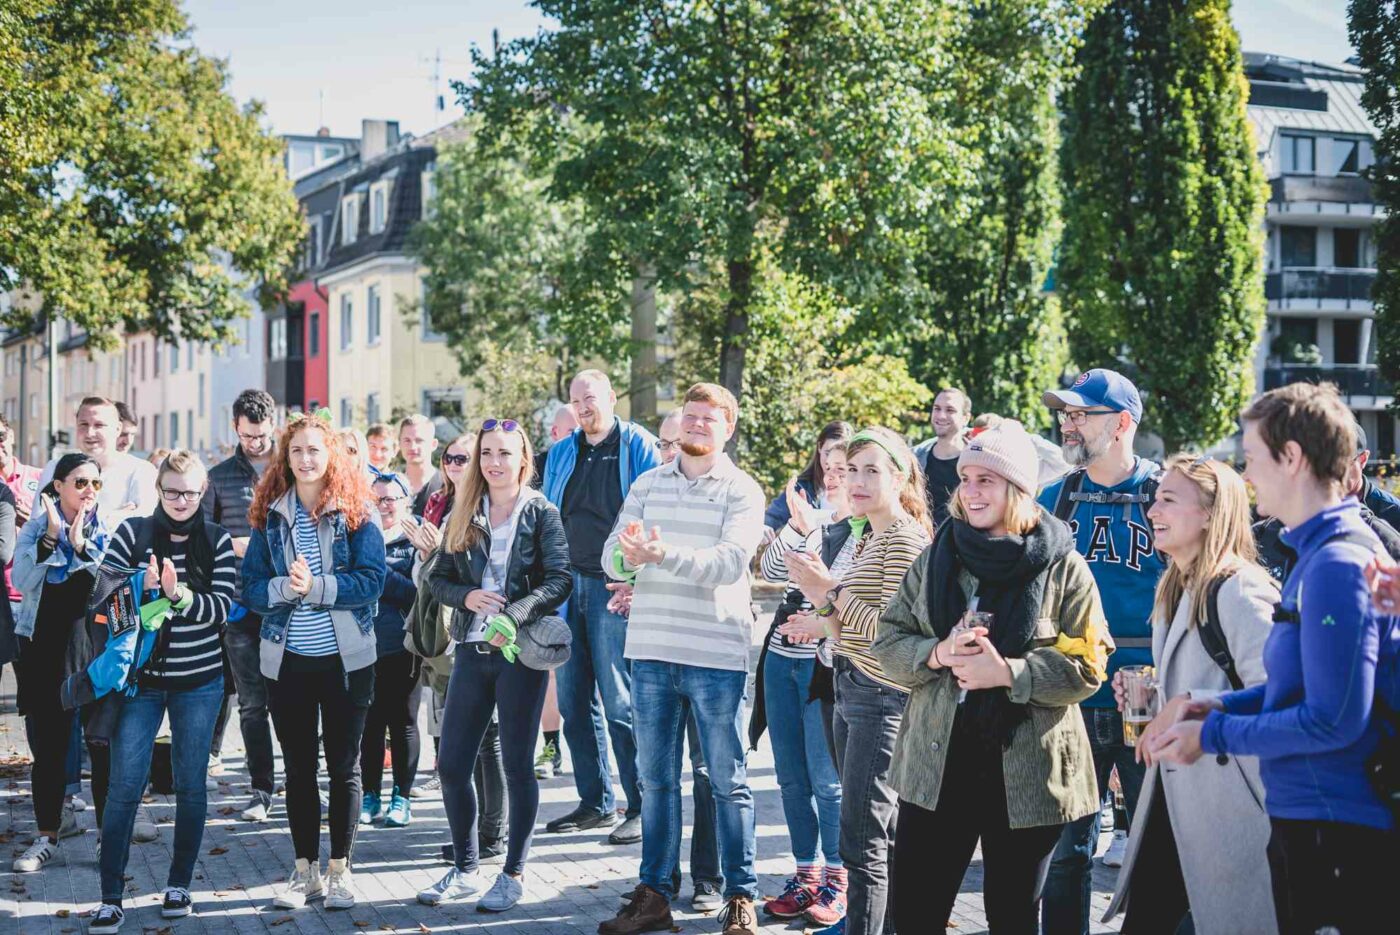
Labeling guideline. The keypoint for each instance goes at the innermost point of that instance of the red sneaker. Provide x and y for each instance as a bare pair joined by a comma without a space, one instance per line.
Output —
796,899
828,908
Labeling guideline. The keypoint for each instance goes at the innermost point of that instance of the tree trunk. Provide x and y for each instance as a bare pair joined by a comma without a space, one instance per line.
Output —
736,329
643,376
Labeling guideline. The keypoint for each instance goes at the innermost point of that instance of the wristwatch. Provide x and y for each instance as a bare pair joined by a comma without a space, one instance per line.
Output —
834,593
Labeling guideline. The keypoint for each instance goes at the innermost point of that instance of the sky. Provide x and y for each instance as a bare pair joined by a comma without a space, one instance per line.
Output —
333,62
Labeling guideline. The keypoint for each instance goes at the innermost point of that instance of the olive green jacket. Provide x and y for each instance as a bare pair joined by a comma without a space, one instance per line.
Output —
1049,769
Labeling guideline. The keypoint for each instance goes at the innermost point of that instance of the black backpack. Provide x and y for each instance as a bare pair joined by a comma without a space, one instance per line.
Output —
1071,495
1213,635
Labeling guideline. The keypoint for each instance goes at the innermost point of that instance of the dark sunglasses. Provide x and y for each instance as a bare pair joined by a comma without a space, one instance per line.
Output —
505,425
81,483
458,460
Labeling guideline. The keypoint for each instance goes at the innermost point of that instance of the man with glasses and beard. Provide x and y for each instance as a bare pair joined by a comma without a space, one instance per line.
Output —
226,502
1104,498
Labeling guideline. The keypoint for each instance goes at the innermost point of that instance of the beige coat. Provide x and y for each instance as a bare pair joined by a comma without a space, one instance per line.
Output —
1217,811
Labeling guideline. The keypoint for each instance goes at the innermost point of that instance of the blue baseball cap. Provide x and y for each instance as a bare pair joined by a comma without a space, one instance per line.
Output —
1099,388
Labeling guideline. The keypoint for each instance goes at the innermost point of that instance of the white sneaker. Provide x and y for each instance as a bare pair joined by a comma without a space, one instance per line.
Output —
455,885
79,803
503,895
144,832
257,807
1113,857
431,786
1106,818
340,889
39,853
304,886
68,824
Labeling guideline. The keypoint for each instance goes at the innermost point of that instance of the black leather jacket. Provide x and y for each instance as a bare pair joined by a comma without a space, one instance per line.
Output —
1277,557
538,579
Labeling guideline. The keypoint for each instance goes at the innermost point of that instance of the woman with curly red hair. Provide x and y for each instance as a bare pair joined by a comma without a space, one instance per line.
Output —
314,571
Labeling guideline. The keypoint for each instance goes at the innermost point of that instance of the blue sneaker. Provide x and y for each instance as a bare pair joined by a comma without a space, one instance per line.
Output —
370,808
399,813
838,929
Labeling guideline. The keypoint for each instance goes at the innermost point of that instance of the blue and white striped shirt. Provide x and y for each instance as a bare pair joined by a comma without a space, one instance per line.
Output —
310,632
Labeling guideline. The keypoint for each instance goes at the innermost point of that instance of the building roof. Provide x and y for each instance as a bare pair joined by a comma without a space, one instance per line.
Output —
1288,93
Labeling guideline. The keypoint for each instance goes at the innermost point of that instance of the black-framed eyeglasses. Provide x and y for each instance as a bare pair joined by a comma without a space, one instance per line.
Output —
1079,417
189,496
505,425
388,501
254,438
663,445
457,460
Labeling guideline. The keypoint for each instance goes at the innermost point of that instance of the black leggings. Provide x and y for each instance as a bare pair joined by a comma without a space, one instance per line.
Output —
489,779
1330,875
308,687
1157,899
397,696
480,683
934,848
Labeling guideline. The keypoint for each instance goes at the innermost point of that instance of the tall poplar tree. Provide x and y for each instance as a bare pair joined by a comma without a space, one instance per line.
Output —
1161,266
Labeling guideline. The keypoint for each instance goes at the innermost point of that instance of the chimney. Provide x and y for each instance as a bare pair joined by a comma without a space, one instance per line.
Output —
377,137
323,131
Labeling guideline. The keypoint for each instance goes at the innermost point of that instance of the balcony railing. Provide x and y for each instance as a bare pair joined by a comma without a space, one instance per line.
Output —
1352,381
1314,282
1346,189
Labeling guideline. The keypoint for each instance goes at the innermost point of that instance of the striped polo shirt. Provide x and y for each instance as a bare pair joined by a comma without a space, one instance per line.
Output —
695,606
193,654
311,631
872,581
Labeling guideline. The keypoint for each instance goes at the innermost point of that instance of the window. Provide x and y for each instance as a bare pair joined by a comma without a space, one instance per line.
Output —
201,393
33,405
143,429
174,429
174,358
313,336
1298,246
349,219
312,254
373,302
189,355
347,322
347,412
378,207
277,339
159,424
372,408
1345,157
189,428
429,189
1298,154
1346,340
444,403
429,333
1346,248
155,358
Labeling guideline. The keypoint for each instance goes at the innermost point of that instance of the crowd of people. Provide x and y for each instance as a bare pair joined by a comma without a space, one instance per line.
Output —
985,639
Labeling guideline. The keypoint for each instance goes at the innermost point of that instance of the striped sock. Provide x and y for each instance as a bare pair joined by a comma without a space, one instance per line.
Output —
836,878
809,875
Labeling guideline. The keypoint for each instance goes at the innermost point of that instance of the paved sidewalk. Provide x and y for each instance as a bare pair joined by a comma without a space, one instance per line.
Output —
575,880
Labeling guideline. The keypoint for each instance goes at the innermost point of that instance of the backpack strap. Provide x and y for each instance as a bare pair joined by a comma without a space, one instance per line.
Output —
1354,537
1064,504
1212,635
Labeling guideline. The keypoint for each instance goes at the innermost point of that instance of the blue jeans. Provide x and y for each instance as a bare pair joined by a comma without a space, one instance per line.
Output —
716,698
192,716
802,760
1065,903
704,837
595,667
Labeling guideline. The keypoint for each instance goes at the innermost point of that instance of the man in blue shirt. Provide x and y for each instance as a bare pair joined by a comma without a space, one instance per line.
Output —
1104,498
587,476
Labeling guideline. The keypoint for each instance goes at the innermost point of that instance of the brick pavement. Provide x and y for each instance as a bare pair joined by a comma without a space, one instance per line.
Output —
575,880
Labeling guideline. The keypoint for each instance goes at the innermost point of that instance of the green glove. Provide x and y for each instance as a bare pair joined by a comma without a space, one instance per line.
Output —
620,570
504,626
154,614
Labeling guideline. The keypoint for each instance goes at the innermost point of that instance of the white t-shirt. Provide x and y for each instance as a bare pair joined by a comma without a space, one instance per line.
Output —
126,480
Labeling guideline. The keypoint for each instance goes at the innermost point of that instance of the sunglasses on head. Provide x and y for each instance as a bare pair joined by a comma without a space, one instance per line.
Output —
81,483
457,460
505,425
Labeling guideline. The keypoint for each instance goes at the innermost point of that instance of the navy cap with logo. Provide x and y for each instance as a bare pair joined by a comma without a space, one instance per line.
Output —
1099,388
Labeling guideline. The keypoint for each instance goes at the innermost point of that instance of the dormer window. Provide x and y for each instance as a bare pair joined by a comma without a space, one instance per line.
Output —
349,219
378,207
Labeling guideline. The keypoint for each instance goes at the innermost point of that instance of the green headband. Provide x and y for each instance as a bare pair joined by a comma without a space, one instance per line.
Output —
884,446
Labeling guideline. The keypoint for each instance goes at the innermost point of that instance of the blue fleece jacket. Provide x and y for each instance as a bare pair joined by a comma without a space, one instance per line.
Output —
1116,541
1310,724
636,455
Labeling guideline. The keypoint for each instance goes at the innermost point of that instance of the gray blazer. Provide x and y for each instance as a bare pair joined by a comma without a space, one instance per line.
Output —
1217,811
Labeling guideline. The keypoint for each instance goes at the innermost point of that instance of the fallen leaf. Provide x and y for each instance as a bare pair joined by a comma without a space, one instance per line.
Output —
423,928
63,913
216,851
282,921
360,925
590,886
385,927
227,810
165,820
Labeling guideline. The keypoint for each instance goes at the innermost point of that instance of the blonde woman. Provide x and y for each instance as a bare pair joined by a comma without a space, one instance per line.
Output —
1200,521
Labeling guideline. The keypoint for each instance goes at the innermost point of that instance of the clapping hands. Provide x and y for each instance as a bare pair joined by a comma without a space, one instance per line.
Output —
300,576
639,549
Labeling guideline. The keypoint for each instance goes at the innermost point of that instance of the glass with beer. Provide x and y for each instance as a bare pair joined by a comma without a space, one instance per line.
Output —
1139,700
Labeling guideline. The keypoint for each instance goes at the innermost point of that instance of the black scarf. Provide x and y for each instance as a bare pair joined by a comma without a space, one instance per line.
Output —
199,553
1010,573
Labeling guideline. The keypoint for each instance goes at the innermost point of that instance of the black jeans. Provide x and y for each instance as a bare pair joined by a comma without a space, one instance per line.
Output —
1330,875
1157,898
242,647
307,687
489,780
934,848
480,683
397,696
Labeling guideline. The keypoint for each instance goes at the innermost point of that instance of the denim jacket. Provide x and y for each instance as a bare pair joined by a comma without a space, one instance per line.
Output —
350,591
30,574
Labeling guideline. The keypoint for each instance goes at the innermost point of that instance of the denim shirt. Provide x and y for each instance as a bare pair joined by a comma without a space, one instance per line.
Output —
350,589
29,574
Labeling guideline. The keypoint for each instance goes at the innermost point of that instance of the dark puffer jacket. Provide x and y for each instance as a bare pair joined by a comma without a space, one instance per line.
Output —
229,496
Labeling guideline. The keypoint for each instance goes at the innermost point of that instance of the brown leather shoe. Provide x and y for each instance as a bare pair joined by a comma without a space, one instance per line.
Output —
739,917
647,912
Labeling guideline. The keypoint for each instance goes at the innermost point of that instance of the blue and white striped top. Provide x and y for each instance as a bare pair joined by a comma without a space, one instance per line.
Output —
310,632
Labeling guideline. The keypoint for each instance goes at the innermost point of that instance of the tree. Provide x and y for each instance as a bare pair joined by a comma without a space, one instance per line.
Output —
1161,263
136,194
1375,33
721,132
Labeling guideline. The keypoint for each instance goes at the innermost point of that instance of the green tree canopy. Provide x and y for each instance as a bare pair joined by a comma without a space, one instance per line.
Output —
1162,261
136,195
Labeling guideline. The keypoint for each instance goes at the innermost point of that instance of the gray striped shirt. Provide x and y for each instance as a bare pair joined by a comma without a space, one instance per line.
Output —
695,606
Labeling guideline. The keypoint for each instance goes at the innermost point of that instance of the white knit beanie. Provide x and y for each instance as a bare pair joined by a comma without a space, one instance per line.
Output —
1008,451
